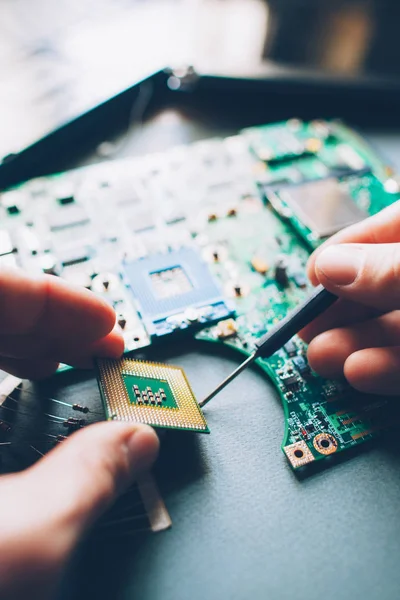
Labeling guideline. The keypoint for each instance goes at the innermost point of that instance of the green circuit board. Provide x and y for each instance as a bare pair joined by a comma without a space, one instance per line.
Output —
210,241
321,417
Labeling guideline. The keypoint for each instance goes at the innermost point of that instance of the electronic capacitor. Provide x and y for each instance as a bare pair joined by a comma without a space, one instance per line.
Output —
281,271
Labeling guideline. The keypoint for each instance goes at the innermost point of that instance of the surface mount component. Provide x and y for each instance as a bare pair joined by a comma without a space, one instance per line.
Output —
323,206
151,393
68,217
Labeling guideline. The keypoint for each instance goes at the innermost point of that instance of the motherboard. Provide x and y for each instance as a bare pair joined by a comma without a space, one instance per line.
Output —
210,241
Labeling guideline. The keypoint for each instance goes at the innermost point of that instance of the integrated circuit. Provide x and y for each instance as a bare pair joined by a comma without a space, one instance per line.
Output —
291,348
281,145
323,206
175,292
71,216
148,392
302,366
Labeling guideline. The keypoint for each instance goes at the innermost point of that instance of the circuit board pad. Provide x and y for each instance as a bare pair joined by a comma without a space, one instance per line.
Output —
220,232
151,393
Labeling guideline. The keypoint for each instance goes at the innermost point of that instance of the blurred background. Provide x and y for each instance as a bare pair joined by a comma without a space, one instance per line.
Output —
59,58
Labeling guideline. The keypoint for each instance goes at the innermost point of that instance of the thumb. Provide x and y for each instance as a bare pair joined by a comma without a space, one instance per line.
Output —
364,273
51,504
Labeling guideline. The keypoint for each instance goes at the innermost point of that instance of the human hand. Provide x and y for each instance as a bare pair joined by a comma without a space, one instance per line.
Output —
45,510
44,321
359,337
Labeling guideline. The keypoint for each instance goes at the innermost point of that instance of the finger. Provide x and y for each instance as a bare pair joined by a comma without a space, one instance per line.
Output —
375,370
73,352
382,228
329,351
73,484
341,314
28,368
52,308
364,273
112,346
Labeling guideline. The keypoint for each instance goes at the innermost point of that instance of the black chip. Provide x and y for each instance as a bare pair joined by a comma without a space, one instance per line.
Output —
290,380
284,159
341,170
301,365
72,216
66,200
73,256
290,348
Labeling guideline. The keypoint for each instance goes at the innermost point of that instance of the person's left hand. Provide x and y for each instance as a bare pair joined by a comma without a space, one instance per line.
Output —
45,510
44,321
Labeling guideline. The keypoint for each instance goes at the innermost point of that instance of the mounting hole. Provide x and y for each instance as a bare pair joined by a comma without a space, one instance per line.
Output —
298,453
136,339
325,443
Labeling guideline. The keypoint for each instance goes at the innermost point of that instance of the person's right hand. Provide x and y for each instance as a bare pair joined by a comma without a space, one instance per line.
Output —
359,337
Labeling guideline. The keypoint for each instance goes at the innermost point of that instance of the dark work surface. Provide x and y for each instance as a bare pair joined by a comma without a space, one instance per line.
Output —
244,525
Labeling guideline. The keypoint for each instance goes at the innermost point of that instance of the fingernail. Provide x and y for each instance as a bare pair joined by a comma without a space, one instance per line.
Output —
340,264
142,448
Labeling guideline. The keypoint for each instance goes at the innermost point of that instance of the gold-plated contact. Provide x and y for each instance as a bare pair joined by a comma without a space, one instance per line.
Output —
325,443
226,329
313,145
298,454
351,420
259,264
187,413
362,434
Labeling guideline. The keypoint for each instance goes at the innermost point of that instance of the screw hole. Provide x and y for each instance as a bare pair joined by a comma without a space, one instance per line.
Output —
325,443
299,453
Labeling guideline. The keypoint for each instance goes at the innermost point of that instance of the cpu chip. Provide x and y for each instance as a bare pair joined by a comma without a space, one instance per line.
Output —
147,392
323,206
